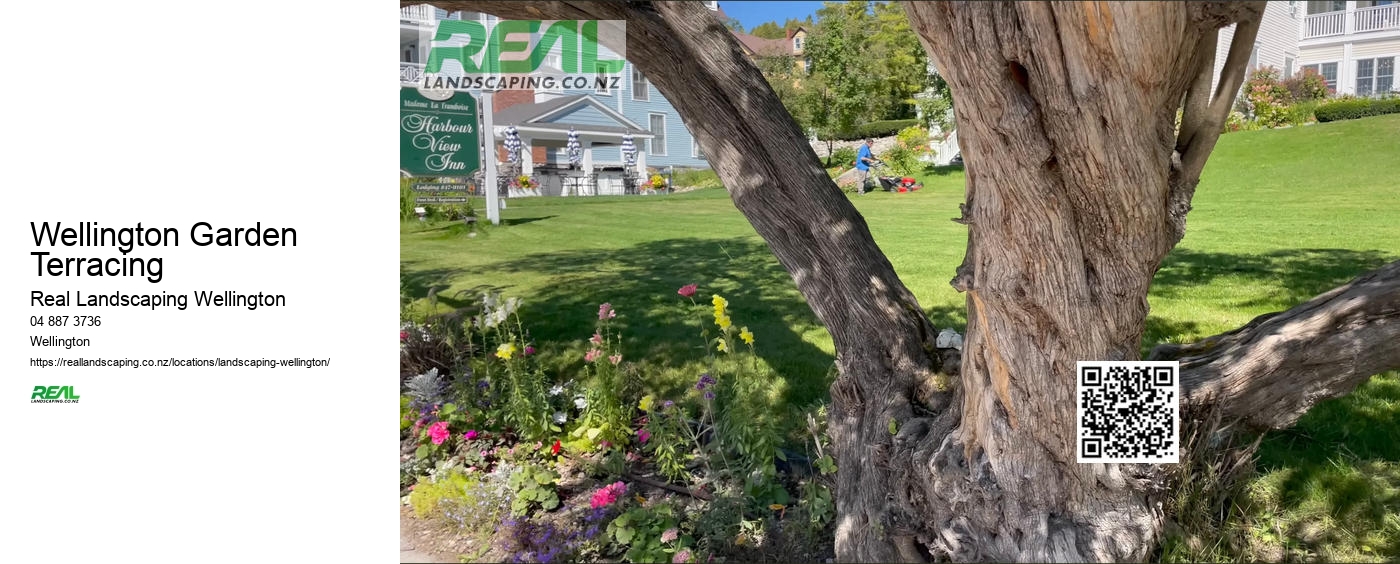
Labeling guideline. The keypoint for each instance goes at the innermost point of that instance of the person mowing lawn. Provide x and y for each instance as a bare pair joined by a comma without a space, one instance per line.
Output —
863,161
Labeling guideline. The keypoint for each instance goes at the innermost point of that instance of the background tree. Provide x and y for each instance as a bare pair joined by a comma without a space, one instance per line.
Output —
901,66
839,48
768,30
1077,188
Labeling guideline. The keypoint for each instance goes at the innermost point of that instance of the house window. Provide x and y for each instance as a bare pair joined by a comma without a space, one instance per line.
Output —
1374,76
640,88
603,81
1328,72
1326,6
1287,66
807,65
797,43
657,145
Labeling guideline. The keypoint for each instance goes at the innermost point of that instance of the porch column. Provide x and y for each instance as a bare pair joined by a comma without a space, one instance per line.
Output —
1349,19
642,161
527,156
587,167
1346,69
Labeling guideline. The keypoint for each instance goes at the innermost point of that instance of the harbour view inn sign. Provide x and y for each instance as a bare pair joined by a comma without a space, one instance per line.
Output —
438,137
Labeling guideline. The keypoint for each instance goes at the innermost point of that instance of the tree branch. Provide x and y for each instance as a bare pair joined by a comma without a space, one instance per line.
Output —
1272,370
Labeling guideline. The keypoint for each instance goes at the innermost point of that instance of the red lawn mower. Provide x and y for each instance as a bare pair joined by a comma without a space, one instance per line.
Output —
900,184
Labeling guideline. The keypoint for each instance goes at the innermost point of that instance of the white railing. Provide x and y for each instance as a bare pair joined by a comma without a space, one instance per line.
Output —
410,73
421,13
1377,18
1323,25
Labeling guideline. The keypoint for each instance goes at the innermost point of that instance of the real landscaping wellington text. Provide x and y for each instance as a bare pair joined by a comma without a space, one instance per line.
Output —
127,239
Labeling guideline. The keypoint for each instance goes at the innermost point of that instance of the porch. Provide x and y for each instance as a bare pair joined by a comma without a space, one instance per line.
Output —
1337,18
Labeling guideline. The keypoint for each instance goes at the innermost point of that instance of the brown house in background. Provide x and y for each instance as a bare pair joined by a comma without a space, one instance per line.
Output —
794,45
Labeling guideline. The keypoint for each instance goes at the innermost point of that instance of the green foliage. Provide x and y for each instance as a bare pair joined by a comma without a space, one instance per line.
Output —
845,157
1300,113
534,487
696,178
1306,86
671,441
1356,108
609,395
838,94
768,30
884,128
642,532
1267,97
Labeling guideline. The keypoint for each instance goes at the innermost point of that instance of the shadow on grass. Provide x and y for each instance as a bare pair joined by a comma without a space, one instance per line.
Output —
524,220
660,327
1338,470
1300,274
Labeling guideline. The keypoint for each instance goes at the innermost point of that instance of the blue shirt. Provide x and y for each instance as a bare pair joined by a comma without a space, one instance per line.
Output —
863,154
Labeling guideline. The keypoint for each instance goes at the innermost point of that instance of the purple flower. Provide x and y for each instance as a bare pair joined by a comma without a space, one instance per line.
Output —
709,395
668,404
705,380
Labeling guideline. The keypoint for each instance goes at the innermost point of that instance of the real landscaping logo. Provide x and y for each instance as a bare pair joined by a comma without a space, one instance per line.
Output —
524,54
53,394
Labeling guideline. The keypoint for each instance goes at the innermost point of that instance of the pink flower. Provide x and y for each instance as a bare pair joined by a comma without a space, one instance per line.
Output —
608,495
529,350
682,555
592,355
605,311
439,432
597,339
670,534
403,335
687,290
615,359
485,454
643,435
470,434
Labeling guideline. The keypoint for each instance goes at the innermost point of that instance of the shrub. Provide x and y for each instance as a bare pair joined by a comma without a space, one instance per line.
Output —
696,178
884,128
1353,108
1267,97
844,157
1306,86
1301,113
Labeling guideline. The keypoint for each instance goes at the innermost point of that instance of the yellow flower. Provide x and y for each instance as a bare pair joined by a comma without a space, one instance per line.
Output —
777,507
723,321
720,303
723,346
746,335
504,351
646,403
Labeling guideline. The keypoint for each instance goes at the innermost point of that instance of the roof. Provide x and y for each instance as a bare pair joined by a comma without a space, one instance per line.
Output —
535,115
764,47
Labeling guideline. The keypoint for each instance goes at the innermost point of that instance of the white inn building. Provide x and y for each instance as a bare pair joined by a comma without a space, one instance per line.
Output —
1352,44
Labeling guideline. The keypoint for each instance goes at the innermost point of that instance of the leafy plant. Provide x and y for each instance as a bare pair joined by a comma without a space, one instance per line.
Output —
650,534
844,156
533,487
1267,97
1306,86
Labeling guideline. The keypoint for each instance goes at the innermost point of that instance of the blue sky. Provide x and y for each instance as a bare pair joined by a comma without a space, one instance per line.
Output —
753,13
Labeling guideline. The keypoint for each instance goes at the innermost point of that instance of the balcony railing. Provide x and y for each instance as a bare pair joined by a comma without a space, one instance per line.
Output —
1377,18
1374,18
422,14
1323,25
410,73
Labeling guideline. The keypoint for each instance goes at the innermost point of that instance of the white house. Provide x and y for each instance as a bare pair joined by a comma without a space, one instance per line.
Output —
1353,44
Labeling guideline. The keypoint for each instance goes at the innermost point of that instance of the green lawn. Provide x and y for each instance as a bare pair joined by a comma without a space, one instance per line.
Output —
1279,217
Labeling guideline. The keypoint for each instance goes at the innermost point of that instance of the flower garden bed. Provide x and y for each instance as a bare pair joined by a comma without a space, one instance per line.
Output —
526,466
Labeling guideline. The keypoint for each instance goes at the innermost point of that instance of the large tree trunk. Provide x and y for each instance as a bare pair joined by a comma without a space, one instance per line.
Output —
1077,188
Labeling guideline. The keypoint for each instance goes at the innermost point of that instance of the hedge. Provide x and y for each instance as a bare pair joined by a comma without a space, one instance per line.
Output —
1357,108
884,128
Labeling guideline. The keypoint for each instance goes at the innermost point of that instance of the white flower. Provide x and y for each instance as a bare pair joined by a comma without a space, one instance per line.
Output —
580,402
556,390
560,418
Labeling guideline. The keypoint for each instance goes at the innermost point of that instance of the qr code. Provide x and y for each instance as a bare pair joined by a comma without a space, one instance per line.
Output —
1128,412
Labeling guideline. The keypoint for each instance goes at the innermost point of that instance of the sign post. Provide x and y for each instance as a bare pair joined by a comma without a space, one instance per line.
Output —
488,159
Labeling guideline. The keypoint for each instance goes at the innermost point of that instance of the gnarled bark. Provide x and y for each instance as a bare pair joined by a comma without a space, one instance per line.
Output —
1077,188
1269,372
